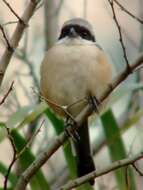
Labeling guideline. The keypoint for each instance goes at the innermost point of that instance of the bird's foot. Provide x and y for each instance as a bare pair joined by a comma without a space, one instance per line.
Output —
70,132
94,102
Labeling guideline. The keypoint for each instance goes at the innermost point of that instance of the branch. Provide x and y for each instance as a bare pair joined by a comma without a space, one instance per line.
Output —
57,142
98,173
111,2
6,57
7,93
128,12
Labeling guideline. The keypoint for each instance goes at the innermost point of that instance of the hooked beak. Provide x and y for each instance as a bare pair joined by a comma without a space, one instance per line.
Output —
73,33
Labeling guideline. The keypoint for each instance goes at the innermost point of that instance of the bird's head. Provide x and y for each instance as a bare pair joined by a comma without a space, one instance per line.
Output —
77,28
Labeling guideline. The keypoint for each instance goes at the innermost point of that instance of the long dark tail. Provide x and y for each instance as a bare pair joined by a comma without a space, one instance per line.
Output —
85,163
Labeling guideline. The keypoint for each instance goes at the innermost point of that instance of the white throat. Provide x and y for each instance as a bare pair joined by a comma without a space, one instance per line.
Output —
74,41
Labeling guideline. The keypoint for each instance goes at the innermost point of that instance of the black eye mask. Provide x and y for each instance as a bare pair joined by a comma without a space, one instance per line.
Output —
80,30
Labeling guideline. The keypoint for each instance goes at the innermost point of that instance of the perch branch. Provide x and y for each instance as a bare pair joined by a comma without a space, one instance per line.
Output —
115,165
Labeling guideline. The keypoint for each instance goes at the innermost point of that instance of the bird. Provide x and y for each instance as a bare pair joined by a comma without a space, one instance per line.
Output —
74,69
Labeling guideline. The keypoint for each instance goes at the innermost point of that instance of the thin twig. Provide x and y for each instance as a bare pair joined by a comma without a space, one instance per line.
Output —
13,159
12,10
137,169
128,12
10,22
7,93
111,2
85,3
10,48
30,140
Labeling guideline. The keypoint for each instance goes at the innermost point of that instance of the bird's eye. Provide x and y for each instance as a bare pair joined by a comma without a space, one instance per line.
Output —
84,33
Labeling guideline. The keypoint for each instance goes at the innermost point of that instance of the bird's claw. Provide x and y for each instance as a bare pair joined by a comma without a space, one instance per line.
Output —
95,103
71,133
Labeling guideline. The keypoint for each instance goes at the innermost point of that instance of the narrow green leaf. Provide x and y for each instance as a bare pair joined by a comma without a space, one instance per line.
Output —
38,182
3,131
116,149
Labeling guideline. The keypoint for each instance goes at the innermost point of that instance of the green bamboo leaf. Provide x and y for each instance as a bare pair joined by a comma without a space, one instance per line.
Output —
3,131
101,140
116,149
38,182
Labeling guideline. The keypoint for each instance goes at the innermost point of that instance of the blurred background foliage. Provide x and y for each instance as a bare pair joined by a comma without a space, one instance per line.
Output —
119,131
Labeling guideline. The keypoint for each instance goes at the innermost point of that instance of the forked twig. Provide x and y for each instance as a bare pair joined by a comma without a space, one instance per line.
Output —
12,10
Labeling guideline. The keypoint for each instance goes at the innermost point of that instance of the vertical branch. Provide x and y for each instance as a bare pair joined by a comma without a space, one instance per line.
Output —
85,9
50,23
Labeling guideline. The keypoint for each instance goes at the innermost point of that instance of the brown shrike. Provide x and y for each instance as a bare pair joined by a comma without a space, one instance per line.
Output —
74,68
